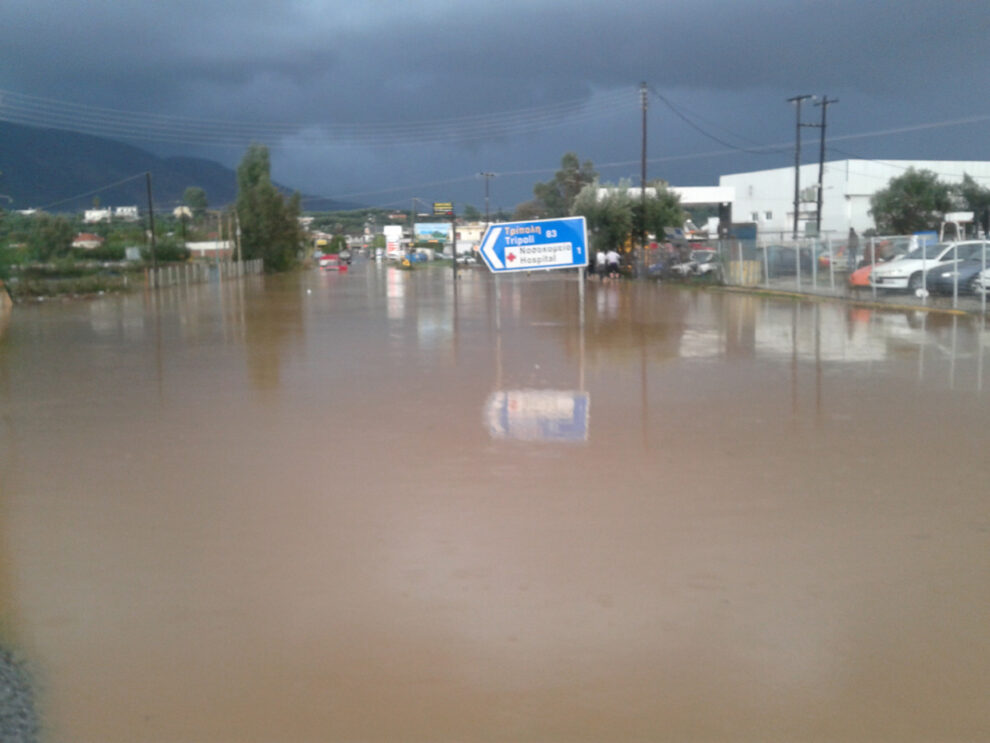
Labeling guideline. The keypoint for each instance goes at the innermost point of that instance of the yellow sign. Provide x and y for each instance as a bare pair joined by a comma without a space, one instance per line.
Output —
443,207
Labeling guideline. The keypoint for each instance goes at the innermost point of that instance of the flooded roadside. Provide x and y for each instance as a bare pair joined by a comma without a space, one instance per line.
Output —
359,506
5,308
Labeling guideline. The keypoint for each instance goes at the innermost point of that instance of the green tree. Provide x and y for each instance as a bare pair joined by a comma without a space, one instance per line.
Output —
269,224
618,214
975,198
555,198
50,237
338,243
663,209
195,198
610,218
911,202
528,210
471,213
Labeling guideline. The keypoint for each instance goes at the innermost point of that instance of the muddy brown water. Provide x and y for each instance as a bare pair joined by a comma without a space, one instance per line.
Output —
358,508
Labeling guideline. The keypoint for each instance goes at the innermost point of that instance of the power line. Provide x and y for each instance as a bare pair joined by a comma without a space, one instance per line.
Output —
760,150
93,192
13,99
36,111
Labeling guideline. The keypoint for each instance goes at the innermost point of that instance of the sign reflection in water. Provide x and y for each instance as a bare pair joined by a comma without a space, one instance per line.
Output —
538,415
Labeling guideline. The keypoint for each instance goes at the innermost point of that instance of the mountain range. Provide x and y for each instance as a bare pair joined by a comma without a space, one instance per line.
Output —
63,171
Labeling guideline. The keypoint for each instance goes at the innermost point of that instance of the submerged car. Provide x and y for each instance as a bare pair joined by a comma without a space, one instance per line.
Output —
909,272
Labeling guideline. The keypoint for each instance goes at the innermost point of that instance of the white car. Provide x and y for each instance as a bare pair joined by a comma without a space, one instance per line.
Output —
981,284
908,272
702,262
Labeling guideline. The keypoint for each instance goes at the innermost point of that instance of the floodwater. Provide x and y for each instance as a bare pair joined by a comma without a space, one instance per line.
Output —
360,507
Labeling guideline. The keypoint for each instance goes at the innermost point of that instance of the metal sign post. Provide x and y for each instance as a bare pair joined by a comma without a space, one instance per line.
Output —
446,209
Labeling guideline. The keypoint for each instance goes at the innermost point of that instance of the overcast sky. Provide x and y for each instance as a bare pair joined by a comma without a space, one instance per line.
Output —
380,101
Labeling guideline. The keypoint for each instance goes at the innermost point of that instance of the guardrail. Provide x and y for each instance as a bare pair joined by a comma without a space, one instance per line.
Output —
183,274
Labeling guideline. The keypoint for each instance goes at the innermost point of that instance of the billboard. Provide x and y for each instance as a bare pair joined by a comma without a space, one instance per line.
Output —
435,231
393,238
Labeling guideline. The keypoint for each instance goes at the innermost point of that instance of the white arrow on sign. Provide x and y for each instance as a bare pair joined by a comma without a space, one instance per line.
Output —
492,238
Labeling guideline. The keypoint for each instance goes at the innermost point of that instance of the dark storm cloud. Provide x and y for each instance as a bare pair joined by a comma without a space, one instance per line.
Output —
385,61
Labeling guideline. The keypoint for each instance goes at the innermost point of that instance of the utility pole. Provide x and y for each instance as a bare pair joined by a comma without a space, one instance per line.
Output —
453,244
797,160
237,226
487,177
642,186
151,222
821,163
219,242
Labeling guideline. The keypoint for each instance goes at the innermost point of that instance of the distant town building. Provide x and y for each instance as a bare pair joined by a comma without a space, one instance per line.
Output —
470,232
92,216
219,249
123,213
87,241
182,212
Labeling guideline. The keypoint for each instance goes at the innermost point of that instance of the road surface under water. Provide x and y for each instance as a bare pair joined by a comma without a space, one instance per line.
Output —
357,507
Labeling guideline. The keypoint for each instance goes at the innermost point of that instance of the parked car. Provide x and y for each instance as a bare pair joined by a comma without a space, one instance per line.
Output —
838,258
701,263
962,276
908,272
659,269
886,251
981,283
782,260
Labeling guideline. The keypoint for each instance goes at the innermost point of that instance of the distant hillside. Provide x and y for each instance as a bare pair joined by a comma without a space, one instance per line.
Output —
60,169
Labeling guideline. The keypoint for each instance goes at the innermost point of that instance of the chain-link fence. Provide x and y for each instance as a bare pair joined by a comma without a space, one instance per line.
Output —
892,269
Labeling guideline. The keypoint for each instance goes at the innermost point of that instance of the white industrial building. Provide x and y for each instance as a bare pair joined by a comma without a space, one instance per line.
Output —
766,197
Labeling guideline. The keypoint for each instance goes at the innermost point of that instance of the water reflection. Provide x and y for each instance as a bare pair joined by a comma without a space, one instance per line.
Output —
6,306
538,415
271,330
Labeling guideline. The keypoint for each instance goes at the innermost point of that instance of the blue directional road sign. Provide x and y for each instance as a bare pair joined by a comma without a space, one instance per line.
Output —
536,246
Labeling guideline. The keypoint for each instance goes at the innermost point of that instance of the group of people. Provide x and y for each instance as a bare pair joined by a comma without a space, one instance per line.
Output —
607,264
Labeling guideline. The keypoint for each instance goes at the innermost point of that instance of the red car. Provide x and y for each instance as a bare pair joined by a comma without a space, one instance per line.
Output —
332,262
